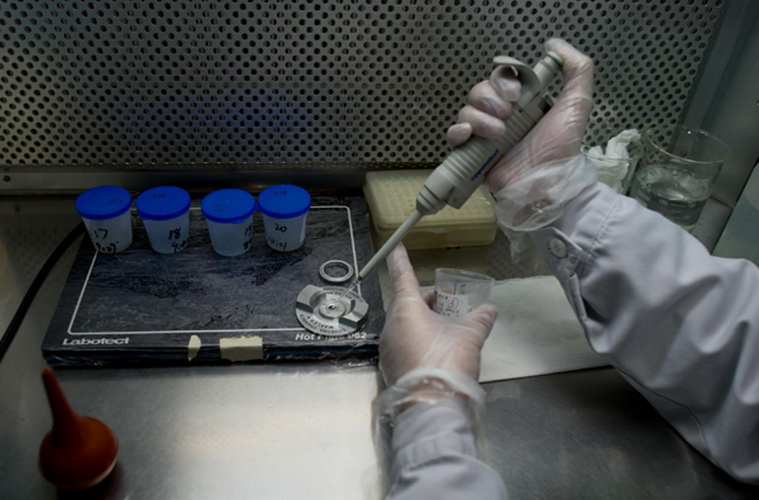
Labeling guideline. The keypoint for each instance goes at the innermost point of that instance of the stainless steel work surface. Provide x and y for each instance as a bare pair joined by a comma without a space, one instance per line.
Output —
589,434
302,430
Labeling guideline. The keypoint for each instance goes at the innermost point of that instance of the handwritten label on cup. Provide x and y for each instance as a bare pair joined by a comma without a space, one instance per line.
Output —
450,305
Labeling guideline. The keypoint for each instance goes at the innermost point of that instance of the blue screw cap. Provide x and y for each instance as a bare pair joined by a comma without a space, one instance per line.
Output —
284,201
163,203
103,202
230,206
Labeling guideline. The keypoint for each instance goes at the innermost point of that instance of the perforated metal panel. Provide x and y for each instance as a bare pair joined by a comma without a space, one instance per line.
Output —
182,85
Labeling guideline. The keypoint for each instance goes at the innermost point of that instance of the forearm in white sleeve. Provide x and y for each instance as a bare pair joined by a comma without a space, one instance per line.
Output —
681,325
435,456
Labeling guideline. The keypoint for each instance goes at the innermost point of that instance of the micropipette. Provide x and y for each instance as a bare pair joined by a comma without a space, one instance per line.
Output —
329,312
462,172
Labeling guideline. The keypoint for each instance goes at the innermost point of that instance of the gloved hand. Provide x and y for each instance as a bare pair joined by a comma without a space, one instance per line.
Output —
426,358
416,337
546,169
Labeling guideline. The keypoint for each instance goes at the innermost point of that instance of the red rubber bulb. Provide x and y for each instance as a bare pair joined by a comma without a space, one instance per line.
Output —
78,452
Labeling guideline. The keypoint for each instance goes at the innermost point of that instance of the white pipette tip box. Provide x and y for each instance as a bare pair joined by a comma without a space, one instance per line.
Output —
391,197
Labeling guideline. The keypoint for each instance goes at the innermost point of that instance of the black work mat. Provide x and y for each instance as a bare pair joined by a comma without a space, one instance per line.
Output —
142,307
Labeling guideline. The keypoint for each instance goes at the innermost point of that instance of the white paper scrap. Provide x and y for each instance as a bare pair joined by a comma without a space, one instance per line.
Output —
536,332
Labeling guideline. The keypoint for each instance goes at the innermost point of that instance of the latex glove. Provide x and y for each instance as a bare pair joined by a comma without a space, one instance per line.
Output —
414,336
546,169
426,358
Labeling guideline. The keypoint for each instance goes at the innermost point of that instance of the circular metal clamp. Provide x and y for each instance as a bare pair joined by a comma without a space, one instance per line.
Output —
336,279
330,310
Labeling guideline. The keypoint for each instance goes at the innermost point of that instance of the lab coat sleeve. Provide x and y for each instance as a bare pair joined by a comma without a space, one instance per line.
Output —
434,456
681,325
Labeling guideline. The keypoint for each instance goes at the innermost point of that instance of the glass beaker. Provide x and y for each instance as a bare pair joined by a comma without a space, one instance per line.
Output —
616,172
458,291
678,171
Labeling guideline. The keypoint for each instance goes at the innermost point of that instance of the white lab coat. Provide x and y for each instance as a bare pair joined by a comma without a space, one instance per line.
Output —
680,325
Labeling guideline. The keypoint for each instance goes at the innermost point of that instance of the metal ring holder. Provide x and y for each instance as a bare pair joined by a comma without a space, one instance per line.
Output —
336,280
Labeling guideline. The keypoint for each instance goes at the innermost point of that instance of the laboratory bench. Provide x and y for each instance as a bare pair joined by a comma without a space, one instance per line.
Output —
291,430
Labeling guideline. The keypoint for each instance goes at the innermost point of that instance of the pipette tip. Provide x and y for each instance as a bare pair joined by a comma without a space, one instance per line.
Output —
349,288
